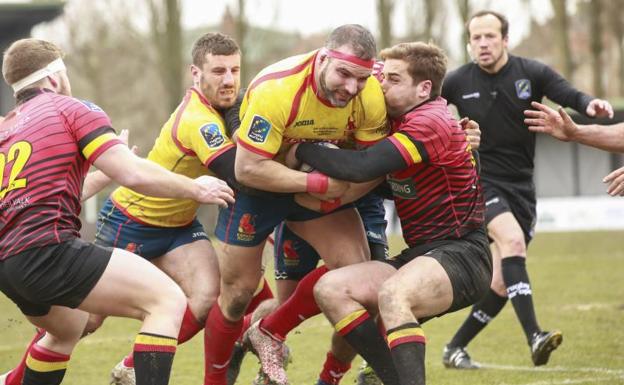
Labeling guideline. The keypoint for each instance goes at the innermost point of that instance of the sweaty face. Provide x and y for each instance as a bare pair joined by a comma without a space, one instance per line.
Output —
399,89
219,79
487,44
340,81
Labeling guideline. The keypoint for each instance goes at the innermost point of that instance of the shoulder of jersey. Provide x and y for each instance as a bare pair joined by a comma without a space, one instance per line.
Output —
283,66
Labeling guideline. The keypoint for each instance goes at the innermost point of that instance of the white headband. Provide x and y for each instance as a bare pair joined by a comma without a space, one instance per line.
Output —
55,66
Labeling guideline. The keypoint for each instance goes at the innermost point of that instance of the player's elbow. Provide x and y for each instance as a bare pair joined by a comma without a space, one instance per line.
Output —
246,172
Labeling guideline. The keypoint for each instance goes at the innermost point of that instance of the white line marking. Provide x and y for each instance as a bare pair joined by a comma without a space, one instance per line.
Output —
613,372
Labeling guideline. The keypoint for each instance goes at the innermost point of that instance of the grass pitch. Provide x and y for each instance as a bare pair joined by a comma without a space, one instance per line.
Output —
578,286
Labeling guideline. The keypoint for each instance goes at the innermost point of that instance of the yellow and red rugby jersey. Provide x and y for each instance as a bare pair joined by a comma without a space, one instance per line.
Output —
281,107
193,137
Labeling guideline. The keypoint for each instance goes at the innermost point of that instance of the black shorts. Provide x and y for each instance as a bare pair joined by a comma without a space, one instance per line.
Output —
62,275
518,198
467,262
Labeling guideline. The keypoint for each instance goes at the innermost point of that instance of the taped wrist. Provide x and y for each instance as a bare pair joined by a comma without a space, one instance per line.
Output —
317,183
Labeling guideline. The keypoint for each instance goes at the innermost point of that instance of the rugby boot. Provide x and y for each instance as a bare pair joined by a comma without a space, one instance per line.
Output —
542,344
367,376
122,375
458,358
272,354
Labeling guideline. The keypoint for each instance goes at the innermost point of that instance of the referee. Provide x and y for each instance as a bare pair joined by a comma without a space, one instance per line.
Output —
494,90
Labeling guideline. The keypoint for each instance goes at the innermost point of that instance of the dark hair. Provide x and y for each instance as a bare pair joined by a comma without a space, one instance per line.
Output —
26,56
424,62
214,43
358,38
503,20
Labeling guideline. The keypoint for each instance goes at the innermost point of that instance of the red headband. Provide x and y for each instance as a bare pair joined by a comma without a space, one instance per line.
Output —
350,58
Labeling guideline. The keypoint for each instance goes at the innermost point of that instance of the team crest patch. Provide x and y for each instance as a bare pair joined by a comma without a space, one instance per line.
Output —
259,130
212,135
246,228
90,105
291,257
523,88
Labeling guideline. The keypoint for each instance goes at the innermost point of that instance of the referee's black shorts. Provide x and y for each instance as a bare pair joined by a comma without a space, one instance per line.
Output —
517,197
62,274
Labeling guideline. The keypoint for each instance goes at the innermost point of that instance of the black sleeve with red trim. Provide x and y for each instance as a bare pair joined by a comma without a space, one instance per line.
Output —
223,166
354,166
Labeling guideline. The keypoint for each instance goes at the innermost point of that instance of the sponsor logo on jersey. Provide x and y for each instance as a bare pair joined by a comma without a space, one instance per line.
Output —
246,228
474,95
523,88
91,106
259,130
212,135
403,188
301,123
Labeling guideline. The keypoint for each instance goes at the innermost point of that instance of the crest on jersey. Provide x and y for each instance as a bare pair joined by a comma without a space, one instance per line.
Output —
212,135
91,106
259,130
523,88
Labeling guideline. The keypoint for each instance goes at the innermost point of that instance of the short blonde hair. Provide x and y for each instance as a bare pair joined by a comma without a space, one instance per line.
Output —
26,56
425,62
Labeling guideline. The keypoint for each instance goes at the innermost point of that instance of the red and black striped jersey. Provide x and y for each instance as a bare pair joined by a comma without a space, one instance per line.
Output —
47,144
438,196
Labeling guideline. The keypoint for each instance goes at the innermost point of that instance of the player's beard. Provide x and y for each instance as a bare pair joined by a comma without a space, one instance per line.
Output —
328,94
212,94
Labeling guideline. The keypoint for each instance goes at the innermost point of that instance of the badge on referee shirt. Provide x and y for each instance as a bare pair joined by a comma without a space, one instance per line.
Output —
523,88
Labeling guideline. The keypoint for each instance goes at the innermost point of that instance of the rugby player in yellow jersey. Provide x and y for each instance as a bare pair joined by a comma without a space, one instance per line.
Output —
325,95
192,142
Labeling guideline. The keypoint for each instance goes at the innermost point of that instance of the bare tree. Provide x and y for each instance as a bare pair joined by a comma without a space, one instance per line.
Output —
464,13
241,35
384,14
421,18
166,30
562,37
595,34
616,20
430,16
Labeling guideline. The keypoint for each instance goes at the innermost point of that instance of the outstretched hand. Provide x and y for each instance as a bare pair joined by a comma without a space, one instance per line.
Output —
599,108
616,182
213,191
548,121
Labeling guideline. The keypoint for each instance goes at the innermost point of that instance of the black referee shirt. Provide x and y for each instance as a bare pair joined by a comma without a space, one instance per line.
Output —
497,101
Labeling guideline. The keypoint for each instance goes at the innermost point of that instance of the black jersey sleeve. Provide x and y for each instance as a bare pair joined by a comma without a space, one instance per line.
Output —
351,165
223,166
231,115
559,90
